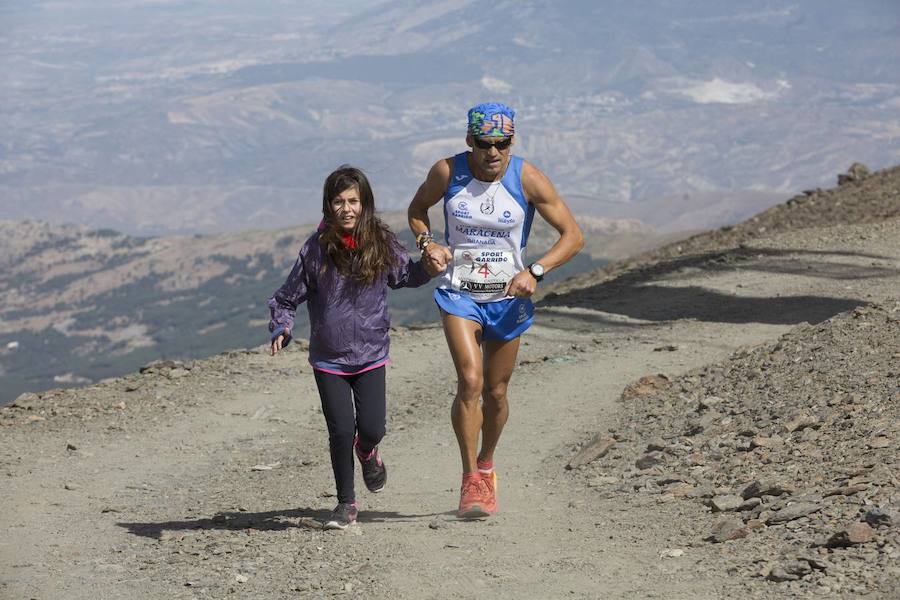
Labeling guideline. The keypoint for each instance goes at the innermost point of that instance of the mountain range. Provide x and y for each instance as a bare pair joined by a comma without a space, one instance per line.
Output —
154,117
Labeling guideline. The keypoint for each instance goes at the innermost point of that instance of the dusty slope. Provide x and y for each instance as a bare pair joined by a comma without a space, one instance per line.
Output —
145,486
860,198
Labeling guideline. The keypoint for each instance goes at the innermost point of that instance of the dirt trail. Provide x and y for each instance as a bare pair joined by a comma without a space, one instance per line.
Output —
152,492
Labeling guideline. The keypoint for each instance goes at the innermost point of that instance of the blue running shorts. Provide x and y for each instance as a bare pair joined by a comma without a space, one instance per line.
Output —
502,320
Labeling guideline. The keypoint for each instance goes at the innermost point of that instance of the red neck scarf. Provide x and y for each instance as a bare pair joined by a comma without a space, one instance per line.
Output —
349,241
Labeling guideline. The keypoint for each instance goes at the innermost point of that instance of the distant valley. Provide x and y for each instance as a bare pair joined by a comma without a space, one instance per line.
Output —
78,305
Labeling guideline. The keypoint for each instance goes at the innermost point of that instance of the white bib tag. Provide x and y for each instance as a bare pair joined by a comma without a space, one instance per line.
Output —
482,273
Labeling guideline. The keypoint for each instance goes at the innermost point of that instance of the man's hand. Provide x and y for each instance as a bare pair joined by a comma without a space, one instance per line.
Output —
435,258
278,343
522,285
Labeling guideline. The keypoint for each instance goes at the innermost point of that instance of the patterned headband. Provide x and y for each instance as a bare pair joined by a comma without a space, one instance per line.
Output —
492,119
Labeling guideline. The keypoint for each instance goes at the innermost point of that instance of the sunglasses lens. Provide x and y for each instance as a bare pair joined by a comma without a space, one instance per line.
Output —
501,145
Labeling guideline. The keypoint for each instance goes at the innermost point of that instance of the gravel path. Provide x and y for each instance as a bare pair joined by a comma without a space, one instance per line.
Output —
210,479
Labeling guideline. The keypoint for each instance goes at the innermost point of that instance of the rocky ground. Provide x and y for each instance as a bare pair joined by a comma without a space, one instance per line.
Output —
790,445
716,421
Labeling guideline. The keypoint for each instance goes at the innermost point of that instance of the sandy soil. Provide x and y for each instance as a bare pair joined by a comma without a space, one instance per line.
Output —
210,479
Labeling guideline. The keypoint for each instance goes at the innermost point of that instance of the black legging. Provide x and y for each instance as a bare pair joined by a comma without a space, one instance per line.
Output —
368,398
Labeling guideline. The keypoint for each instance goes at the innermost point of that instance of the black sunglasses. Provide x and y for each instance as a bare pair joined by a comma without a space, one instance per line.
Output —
485,145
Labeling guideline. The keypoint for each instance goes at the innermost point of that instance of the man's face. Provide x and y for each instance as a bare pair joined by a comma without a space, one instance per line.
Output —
490,155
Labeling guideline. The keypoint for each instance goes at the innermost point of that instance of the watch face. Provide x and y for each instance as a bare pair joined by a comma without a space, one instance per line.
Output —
537,270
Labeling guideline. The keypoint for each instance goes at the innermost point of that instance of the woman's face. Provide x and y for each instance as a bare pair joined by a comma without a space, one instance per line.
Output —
346,207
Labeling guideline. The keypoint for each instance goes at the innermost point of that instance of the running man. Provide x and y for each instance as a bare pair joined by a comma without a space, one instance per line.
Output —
489,197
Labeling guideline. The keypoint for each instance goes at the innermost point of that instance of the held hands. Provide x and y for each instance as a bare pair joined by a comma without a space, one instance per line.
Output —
435,258
522,285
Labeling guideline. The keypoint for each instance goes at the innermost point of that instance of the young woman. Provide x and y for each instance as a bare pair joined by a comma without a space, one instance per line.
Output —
342,273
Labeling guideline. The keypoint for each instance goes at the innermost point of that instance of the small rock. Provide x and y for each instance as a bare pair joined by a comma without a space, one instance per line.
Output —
160,365
815,562
853,535
754,524
847,490
656,445
70,446
72,486
437,524
800,422
793,511
880,442
728,529
778,574
790,571
766,442
749,504
880,517
268,467
28,400
597,448
682,490
177,373
765,487
671,553
696,459
649,460
710,402
726,503
856,172
241,578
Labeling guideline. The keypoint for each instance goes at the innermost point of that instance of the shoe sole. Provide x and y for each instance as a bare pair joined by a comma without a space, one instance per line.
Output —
473,512
336,525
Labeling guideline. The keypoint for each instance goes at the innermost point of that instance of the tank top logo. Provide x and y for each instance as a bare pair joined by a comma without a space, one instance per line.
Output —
462,211
506,218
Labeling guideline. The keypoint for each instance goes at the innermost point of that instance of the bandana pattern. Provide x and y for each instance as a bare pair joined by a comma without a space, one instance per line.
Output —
492,119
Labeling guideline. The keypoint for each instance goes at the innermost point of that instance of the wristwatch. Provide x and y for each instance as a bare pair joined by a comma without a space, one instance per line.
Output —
537,271
423,239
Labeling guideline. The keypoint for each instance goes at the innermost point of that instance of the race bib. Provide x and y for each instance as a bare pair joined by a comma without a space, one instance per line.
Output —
482,272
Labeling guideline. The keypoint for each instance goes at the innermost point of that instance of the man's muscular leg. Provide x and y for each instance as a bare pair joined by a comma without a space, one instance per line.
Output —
463,339
499,362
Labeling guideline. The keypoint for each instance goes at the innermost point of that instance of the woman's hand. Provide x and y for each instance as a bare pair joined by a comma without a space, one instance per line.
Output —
278,343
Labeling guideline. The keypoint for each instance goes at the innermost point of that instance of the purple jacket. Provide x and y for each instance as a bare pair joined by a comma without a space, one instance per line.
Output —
348,320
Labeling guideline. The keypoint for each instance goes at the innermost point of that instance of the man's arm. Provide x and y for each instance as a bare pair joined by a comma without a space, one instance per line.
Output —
539,191
430,193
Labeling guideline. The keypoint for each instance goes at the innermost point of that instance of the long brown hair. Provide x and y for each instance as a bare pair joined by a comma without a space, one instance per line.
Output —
375,244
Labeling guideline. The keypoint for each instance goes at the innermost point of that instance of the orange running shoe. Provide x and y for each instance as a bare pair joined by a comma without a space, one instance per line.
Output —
475,497
489,480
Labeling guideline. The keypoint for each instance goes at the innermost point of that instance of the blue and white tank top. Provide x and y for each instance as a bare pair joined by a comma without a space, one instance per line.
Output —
487,225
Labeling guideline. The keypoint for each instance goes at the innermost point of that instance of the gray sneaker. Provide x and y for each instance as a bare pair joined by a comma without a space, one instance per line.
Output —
342,516
374,471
